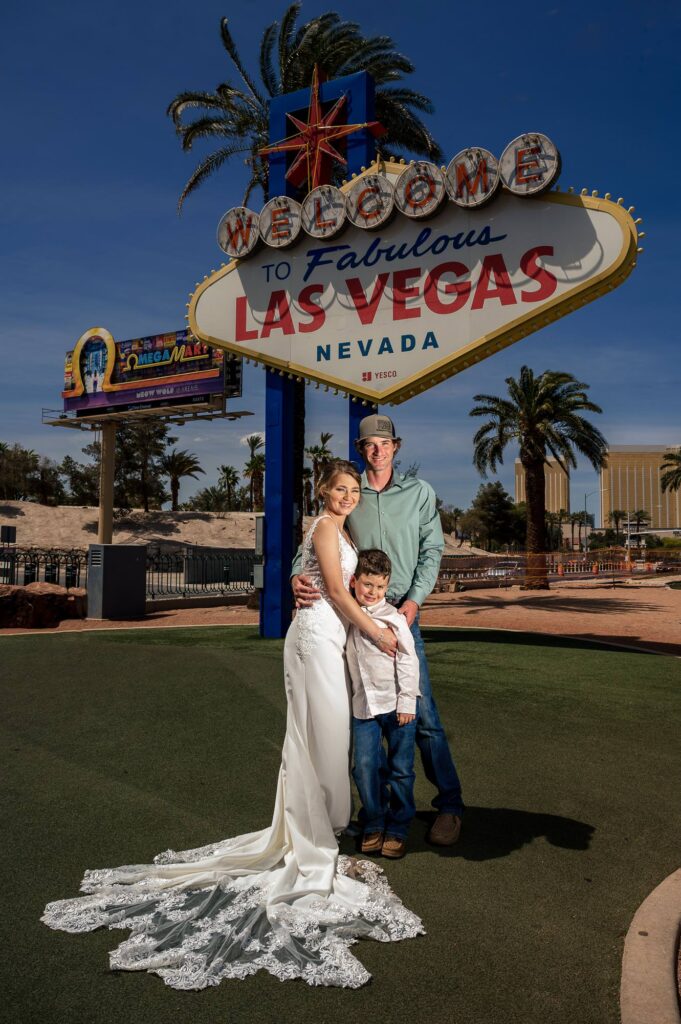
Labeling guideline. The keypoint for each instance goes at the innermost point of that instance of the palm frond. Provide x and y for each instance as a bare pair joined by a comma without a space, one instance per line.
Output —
230,46
410,98
209,166
268,71
188,100
286,33
205,127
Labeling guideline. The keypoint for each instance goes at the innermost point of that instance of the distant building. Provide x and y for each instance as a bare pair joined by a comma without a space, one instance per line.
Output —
557,485
630,480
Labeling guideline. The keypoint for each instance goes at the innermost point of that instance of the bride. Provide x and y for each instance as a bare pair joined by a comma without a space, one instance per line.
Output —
282,899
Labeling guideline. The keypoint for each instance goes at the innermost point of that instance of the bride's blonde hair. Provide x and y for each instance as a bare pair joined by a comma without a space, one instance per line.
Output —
333,469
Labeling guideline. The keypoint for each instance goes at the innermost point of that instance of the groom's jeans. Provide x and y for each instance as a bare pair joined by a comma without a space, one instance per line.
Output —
385,783
431,740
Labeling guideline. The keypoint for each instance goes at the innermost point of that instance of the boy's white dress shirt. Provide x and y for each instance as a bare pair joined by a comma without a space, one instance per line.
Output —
381,684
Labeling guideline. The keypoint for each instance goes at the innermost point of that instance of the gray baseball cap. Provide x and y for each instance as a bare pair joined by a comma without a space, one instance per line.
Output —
377,425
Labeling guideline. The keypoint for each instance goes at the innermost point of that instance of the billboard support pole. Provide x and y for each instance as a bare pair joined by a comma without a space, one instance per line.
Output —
107,466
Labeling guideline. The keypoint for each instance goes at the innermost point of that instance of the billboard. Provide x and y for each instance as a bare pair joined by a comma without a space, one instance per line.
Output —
102,375
387,309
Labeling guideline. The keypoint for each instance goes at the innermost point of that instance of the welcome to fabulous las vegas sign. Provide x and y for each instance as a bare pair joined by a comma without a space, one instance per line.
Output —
408,274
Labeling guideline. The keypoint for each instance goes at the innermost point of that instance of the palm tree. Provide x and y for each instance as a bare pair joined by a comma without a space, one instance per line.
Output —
176,465
551,520
640,517
319,455
228,480
541,414
563,516
210,499
456,514
254,471
575,519
671,475
237,119
307,491
616,517
255,443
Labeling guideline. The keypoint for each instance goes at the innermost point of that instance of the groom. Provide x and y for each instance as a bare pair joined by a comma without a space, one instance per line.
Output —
398,515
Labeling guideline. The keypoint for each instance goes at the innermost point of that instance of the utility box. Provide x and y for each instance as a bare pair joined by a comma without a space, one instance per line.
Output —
8,534
259,563
116,581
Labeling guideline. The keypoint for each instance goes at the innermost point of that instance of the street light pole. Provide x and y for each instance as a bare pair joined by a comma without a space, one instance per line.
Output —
585,515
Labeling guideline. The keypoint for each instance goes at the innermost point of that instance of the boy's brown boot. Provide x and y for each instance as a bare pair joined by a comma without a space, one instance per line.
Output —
394,847
372,843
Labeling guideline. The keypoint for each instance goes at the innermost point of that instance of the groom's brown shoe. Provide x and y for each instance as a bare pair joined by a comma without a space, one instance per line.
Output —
372,843
445,830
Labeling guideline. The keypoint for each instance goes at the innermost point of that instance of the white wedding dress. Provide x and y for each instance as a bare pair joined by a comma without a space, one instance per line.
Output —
281,899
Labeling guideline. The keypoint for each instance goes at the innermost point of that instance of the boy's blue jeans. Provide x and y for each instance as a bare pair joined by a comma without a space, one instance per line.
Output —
385,781
432,741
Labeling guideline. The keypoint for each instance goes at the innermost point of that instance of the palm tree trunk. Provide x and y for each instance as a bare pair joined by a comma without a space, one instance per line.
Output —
174,493
535,484
144,488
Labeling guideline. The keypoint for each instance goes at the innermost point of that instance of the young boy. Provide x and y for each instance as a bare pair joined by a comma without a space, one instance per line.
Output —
384,692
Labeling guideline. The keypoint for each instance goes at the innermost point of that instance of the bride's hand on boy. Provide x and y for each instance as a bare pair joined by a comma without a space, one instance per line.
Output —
386,641
304,591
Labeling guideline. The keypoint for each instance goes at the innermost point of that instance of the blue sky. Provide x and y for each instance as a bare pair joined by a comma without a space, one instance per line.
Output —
92,171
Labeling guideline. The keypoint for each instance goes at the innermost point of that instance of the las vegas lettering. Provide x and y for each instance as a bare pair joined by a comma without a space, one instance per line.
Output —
401,295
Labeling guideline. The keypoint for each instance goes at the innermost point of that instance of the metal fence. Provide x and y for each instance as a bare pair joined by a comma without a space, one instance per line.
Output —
199,572
462,571
21,566
191,572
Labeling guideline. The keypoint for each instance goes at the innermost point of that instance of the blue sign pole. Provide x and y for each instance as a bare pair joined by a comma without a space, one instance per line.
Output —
282,506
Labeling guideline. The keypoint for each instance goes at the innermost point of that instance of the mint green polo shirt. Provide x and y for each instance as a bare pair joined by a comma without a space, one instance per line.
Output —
403,521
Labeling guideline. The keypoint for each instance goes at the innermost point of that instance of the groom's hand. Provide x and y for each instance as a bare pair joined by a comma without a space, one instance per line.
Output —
410,610
304,591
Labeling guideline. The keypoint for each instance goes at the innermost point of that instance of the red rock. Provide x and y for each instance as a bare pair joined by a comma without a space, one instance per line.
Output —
35,606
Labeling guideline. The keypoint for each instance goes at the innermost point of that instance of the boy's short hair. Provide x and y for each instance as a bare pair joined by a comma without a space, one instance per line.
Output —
373,562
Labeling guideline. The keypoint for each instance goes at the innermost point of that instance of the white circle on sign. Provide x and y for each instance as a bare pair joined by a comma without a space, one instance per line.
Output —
530,164
280,222
472,177
323,212
238,232
419,190
370,201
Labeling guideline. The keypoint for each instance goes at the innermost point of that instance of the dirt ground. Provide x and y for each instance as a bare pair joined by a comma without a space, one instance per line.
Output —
638,615
71,526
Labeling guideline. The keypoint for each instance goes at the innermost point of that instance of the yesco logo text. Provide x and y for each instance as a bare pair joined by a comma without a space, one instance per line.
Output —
528,166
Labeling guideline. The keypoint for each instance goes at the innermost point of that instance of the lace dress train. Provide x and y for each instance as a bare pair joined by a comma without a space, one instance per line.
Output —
281,899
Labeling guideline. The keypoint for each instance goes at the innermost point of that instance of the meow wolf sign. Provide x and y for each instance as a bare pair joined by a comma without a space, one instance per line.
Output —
386,313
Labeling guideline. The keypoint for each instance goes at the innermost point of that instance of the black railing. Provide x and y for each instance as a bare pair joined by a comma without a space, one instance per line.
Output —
21,566
192,572
196,572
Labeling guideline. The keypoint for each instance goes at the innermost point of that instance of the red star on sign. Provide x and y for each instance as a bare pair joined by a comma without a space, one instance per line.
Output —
313,140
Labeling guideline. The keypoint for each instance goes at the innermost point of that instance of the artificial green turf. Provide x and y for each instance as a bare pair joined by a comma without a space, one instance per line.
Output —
120,744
